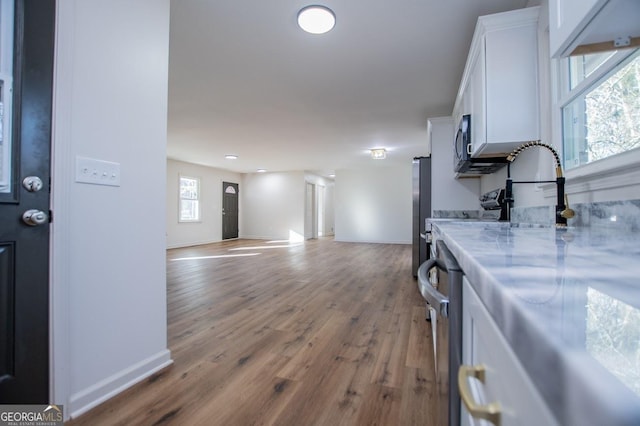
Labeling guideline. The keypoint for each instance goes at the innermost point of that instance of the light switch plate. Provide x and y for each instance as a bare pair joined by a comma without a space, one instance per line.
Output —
97,172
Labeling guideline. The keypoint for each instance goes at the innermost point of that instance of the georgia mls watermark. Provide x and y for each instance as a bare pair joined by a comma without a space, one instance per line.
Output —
31,415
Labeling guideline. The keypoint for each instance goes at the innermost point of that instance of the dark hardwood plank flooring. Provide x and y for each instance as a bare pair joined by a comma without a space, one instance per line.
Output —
321,333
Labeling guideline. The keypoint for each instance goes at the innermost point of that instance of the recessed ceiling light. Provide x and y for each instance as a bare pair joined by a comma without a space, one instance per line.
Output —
378,153
316,19
231,157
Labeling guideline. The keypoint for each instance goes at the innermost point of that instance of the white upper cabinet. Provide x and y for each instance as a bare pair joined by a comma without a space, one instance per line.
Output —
592,25
500,87
565,19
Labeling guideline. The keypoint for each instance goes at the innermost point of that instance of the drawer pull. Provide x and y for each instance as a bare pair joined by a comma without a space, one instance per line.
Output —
490,412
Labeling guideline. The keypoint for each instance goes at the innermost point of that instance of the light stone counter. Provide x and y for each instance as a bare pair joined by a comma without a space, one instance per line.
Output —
568,302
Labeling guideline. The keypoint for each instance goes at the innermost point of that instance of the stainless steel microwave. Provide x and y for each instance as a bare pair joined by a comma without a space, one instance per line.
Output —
463,162
462,144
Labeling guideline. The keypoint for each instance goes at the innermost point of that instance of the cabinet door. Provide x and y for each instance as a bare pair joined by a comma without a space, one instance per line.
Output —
506,382
477,101
512,93
567,19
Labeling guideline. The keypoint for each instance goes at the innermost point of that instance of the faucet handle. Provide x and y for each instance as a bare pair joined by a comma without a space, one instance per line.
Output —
567,213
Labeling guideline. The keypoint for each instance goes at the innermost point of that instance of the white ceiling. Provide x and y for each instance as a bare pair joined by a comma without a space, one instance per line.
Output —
245,80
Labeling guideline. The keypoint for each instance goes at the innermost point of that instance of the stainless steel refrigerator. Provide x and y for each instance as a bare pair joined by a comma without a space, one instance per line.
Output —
421,210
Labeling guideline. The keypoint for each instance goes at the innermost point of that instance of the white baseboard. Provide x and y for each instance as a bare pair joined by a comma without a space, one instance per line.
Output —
83,401
191,244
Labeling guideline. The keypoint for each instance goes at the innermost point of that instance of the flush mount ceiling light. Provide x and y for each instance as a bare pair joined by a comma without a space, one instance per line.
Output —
316,19
231,157
378,153
261,170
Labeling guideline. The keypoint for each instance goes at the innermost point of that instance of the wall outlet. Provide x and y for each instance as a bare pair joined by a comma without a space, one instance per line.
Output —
97,172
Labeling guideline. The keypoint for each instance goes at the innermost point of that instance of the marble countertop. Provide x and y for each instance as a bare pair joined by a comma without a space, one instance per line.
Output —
568,302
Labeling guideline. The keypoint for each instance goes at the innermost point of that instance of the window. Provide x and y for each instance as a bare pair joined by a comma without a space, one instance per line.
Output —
600,106
7,153
189,199
5,148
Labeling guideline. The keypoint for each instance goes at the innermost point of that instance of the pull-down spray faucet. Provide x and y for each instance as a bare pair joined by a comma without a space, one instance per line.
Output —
563,212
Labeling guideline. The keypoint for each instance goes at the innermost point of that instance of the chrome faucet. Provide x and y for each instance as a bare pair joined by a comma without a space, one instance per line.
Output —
563,212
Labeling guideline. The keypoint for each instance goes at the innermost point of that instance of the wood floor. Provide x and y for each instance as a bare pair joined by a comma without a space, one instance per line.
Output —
322,333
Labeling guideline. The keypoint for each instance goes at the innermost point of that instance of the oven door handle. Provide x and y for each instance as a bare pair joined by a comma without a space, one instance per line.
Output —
434,298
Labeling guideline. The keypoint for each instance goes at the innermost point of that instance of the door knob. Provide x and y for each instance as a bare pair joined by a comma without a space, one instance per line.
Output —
32,183
34,217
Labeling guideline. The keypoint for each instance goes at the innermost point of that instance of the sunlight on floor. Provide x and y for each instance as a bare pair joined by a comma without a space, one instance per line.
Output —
272,245
221,256
266,247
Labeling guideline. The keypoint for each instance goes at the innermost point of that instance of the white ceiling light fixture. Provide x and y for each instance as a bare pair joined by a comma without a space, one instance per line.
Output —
231,157
378,153
261,170
316,19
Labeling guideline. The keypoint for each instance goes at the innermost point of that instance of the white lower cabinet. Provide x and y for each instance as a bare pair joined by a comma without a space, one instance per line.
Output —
505,385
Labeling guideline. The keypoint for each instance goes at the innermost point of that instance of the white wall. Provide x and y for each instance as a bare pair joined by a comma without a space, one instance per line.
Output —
524,168
447,192
209,229
109,325
273,205
374,205
329,218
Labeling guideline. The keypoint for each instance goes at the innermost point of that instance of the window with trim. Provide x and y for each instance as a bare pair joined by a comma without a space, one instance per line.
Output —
600,105
189,199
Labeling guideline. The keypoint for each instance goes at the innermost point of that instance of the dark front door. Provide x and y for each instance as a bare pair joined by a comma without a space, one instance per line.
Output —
24,204
229,210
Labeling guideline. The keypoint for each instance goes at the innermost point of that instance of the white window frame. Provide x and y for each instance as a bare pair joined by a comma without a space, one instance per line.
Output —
181,199
608,173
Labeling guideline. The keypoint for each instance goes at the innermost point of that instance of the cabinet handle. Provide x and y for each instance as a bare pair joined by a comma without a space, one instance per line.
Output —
489,412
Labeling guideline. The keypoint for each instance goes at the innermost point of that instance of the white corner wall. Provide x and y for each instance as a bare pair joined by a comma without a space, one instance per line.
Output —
447,192
273,205
209,229
374,205
330,210
108,277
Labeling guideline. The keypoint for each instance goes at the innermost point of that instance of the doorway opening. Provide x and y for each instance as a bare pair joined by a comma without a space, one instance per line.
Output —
315,202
